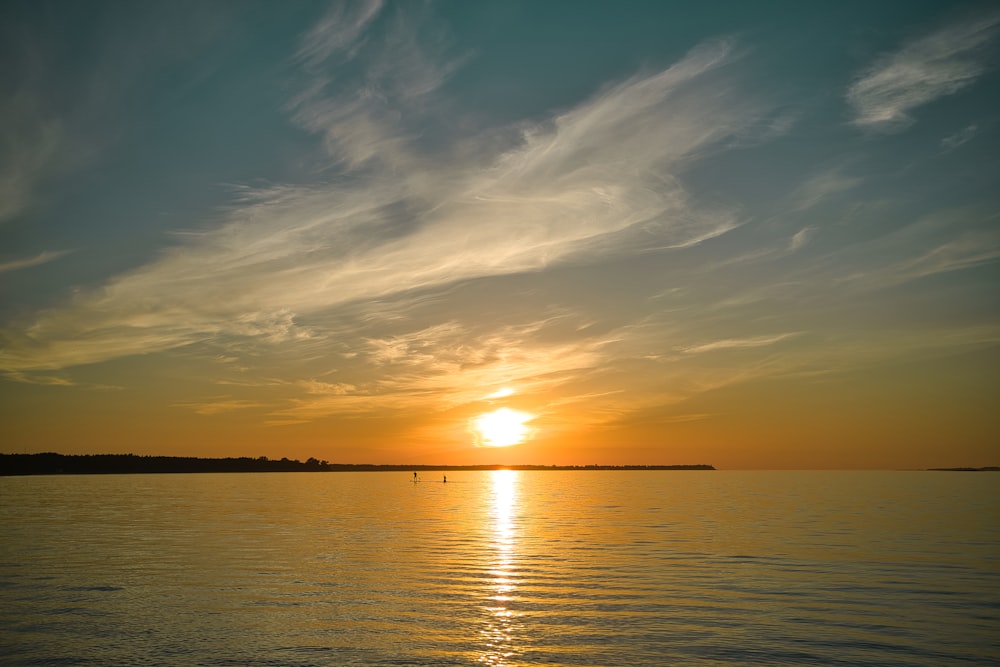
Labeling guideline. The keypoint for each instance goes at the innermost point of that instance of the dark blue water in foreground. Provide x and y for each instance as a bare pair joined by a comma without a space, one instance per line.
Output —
502,568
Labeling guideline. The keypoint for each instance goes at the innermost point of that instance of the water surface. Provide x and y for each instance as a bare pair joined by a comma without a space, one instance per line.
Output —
502,568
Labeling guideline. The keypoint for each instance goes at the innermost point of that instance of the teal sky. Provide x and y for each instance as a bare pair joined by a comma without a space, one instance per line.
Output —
747,234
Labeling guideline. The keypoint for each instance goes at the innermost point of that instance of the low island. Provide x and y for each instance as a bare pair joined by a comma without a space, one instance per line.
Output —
97,464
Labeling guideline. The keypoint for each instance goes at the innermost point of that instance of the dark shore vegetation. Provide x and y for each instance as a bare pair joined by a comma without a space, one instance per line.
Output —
103,464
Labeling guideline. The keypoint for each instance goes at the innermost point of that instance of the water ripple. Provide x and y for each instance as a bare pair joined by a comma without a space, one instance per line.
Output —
499,569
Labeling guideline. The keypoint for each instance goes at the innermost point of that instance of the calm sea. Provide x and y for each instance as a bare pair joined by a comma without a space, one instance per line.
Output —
502,568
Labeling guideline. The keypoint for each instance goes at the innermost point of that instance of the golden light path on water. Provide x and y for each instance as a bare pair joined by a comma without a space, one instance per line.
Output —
499,631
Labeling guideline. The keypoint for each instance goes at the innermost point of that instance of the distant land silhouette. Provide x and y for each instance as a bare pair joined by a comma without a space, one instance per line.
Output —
104,464
983,469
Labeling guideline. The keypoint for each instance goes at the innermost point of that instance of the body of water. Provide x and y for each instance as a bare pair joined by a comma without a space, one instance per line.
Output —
502,568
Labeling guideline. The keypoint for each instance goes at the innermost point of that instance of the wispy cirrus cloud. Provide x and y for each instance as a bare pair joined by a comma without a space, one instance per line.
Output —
964,136
219,405
821,187
740,343
48,380
29,143
452,364
440,368
801,238
41,258
934,244
394,219
923,70
966,251
40,379
339,31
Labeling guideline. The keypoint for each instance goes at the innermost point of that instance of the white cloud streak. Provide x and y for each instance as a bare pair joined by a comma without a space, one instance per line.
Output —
46,380
969,250
801,238
939,64
339,31
740,343
953,141
393,221
443,367
928,247
28,262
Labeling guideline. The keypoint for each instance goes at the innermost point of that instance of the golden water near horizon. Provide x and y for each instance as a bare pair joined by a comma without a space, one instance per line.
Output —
501,568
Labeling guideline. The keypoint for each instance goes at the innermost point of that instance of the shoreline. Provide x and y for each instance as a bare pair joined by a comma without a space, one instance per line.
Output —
110,464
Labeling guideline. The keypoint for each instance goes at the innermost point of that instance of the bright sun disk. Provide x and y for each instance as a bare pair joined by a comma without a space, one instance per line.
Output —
502,427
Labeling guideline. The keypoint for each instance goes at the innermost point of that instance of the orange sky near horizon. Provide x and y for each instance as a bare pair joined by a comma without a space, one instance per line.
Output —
838,423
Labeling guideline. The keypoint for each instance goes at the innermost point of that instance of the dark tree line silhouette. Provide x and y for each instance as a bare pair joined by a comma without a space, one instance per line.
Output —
50,463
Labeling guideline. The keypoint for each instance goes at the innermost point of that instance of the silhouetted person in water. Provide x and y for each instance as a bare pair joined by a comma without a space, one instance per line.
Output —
414,477
445,478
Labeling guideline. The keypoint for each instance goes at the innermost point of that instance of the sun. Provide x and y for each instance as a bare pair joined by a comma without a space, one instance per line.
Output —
502,428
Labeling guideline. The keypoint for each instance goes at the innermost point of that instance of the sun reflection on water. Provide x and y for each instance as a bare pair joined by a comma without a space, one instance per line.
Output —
501,623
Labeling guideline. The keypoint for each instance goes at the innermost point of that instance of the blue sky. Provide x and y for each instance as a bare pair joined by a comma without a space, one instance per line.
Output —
749,234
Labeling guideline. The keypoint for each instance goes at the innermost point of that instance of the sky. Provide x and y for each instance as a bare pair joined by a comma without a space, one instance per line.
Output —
753,235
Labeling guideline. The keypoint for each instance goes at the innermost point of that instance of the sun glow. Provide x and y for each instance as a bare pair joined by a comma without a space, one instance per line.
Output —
502,428
502,392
